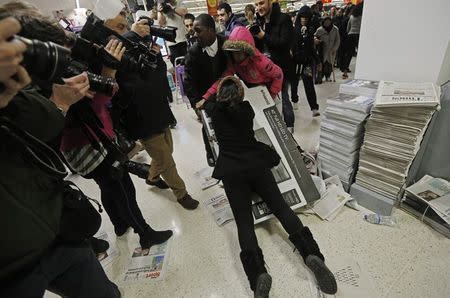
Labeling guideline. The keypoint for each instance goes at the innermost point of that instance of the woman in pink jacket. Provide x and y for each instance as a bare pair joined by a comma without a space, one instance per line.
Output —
249,63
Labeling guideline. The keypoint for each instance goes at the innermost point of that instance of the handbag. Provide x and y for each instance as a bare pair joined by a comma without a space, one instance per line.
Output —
79,219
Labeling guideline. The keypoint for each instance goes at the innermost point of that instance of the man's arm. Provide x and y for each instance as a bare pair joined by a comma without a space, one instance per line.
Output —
181,11
190,79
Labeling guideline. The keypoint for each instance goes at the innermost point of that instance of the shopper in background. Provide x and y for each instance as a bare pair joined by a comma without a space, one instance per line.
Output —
305,57
333,12
205,63
227,18
249,12
189,24
316,19
327,36
274,38
353,30
338,21
244,165
171,15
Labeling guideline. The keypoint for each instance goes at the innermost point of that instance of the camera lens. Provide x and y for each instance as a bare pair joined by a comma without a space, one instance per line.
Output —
45,60
101,84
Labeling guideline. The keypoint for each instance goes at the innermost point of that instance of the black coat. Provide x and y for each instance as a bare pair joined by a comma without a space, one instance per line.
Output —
201,71
238,149
278,39
142,99
30,198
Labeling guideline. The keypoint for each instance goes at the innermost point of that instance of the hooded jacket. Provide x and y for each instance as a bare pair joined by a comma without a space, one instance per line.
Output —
303,49
255,69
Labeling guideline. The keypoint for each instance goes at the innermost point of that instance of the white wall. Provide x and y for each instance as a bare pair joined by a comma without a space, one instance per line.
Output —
403,40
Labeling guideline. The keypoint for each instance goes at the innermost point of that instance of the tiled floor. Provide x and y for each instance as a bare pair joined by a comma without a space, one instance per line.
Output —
410,260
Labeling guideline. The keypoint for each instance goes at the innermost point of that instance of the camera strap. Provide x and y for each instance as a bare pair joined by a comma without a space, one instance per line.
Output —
39,152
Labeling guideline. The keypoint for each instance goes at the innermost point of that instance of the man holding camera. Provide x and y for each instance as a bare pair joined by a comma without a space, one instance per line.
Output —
32,259
273,33
146,115
171,15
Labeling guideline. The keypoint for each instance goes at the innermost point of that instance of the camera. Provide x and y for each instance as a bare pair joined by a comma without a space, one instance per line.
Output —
137,57
254,29
97,83
165,8
139,169
168,33
46,61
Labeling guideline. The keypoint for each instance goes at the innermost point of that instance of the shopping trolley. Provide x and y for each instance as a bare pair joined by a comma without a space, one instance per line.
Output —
179,79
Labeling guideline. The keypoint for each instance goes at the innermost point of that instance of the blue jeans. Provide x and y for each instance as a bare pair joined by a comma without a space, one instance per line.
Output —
288,111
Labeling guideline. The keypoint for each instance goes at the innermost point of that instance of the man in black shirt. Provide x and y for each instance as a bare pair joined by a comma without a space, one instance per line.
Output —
205,63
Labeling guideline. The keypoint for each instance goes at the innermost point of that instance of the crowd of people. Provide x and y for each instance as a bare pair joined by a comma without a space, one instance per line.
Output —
46,249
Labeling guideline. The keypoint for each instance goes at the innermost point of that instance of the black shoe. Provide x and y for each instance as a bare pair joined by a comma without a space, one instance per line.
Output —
325,278
120,231
313,258
98,245
161,184
260,280
152,237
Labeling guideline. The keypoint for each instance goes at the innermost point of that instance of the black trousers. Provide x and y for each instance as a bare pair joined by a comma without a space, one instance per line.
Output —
118,197
239,188
178,50
350,46
69,271
308,84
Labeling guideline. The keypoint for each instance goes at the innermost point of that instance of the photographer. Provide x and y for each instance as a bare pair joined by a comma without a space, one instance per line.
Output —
32,260
171,15
146,116
273,32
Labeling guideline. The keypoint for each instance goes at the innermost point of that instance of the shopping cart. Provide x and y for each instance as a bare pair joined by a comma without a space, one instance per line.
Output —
179,78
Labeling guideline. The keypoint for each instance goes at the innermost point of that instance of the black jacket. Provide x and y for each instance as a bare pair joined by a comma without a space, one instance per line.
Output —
303,49
30,198
142,99
278,39
238,149
201,71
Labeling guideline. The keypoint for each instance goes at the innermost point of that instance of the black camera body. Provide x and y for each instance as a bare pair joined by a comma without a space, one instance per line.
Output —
137,57
254,29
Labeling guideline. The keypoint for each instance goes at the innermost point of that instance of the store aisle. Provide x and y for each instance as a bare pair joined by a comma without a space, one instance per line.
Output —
410,260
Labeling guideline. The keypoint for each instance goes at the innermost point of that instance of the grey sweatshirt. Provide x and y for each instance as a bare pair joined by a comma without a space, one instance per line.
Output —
354,25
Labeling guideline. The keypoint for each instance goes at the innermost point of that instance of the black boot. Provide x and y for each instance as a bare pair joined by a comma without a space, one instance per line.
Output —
309,250
260,280
99,246
151,237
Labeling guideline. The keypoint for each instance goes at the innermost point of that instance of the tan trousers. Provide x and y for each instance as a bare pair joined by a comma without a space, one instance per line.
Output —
160,149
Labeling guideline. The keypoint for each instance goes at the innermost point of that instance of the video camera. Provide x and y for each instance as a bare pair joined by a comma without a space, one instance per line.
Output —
138,57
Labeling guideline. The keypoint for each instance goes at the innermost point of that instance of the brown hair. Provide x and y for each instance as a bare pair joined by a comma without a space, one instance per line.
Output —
34,24
230,91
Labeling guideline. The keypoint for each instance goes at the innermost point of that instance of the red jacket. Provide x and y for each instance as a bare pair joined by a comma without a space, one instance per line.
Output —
256,69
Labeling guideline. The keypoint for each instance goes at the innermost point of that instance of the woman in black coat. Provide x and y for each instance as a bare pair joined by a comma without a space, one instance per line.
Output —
244,167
